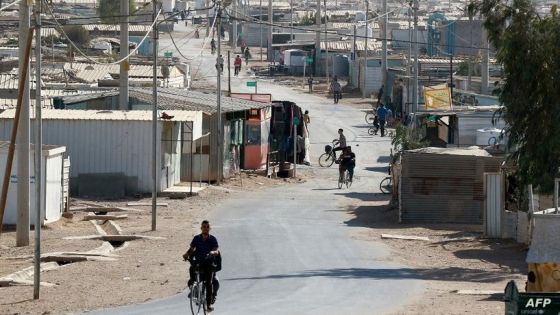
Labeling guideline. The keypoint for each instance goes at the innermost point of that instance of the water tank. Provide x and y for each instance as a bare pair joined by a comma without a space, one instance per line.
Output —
341,66
168,5
360,16
199,4
488,136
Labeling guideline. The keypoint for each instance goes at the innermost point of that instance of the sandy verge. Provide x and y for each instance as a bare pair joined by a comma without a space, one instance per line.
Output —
145,270
456,257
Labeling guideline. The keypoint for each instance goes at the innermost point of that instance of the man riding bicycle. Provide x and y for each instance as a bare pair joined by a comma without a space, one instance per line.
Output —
341,141
204,248
347,162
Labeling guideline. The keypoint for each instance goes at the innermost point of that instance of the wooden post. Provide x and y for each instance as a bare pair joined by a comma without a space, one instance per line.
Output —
10,160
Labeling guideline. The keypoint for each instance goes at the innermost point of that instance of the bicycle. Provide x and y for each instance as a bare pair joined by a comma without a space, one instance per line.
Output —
197,295
336,97
370,117
327,159
344,180
386,185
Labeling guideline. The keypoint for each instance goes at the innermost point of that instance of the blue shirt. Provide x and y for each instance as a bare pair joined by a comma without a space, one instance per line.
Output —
203,247
382,113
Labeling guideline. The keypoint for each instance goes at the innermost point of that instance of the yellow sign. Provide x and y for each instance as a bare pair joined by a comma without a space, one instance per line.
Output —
437,97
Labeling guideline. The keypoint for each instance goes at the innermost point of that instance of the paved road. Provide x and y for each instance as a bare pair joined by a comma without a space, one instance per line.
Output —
292,250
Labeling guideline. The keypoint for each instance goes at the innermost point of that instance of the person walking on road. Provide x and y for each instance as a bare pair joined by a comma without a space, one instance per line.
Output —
213,45
247,55
336,90
382,117
237,65
306,118
310,83
220,64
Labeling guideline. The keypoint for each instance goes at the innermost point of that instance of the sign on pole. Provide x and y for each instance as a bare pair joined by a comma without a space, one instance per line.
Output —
252,84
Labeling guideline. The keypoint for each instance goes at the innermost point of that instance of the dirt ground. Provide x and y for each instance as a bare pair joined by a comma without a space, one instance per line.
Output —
145,269
456,257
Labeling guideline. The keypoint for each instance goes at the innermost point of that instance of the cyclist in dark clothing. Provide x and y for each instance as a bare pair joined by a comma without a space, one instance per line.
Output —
347,162
204,248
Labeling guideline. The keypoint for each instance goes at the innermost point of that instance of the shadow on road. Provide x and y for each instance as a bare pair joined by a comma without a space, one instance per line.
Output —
379,169
441,274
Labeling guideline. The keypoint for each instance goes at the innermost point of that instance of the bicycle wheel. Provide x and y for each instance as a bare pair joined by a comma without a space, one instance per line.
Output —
369,117
196,297
386,185
326,160
371,131
348,181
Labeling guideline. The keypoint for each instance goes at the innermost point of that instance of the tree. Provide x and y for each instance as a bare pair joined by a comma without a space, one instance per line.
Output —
78,34
527,47
110,10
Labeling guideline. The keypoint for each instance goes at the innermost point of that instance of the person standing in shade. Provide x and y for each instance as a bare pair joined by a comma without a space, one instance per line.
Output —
247,55
310,83
380,94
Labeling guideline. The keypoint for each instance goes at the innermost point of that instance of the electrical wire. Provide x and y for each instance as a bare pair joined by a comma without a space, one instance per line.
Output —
88,57
379,39
9,5
204,44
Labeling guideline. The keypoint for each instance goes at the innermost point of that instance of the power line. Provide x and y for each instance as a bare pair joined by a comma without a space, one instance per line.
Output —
9,5
88,57
379,39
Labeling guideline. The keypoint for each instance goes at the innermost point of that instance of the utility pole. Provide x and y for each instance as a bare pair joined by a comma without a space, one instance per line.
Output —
229,72
326,47
233,38
354,52
208,18
485,61
469,79
409,63
291,20
364,90
270,22
415,7
261,28
23,135
318,38
125,65
38,154
384,55
219,95
155,37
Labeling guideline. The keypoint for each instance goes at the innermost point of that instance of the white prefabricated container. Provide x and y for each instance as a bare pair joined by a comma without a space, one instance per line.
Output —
294,57
52,179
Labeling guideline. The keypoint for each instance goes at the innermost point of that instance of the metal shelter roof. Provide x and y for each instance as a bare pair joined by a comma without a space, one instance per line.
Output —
175,99
132,115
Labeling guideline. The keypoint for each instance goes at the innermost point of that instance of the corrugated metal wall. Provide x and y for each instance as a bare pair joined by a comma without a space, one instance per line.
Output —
102,146
374,76
493,205
440,188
